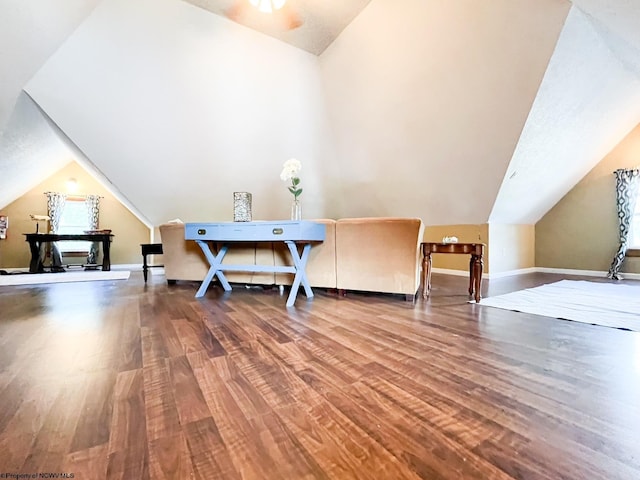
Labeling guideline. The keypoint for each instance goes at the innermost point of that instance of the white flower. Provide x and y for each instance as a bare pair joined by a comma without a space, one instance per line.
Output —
290,169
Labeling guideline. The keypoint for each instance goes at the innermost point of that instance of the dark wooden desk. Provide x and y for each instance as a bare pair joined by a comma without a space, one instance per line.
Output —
37,239
149,249
476,250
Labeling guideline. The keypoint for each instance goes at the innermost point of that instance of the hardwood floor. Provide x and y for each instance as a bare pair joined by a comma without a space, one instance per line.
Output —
117,379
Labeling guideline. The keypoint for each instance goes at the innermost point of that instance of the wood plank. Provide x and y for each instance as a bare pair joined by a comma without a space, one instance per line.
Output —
20,432
128,449
89,463
189,400
53,440
94,418
170,459
161,412
244,420
208,451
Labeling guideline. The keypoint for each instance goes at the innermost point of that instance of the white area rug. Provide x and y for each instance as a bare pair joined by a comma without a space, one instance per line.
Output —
82,276
607,304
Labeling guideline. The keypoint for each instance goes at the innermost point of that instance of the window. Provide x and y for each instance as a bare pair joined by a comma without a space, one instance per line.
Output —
634,241
74,219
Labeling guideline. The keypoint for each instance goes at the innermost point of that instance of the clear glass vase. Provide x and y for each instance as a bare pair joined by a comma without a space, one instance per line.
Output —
296,210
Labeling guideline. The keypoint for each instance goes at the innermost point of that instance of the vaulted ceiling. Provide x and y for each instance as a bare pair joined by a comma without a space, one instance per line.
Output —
452,111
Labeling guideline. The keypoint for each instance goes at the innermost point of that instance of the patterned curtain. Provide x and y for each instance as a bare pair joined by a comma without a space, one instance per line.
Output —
55,207
92,202
627,183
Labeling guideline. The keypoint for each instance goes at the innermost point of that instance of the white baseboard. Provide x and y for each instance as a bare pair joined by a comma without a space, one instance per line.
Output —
465,273
569,271
524,271
587,273
509,273
132,267
23,269
448,271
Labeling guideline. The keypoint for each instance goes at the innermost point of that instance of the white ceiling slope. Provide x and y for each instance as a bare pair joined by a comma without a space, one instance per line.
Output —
587,102
30,151
621,17
34,148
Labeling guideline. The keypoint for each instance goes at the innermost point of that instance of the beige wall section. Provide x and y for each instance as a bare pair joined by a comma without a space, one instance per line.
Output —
511,247
128,231
581,231
465,234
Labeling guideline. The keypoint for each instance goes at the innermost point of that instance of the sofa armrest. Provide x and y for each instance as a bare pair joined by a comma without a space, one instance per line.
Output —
379,254
183,260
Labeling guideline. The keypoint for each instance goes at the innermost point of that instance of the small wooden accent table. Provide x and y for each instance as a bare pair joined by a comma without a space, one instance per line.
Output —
149,249
476,250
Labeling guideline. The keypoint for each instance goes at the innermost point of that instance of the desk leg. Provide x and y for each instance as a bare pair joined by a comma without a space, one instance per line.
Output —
106,256
477,276
426,275
214,269
35,266
300,263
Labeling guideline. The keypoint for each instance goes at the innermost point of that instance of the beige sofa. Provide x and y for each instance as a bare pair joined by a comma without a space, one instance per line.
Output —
377,254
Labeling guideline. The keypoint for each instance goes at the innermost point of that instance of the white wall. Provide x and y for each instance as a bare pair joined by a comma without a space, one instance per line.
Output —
179,108
427,99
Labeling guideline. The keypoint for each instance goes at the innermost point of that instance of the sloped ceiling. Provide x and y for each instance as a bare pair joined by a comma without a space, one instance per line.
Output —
178,107
30,31
588,99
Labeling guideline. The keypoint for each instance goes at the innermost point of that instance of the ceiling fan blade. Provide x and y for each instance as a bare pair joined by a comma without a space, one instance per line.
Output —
291,19
237,10
245,13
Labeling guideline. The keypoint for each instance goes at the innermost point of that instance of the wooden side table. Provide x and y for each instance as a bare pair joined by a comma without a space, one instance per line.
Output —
476,250
149,249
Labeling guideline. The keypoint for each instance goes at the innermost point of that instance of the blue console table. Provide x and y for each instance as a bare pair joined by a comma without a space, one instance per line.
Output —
289,232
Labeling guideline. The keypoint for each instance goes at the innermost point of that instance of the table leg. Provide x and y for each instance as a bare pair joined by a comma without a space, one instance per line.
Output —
471,273
214,270
145,267
477,276
35,265
426,275
106,256
300,263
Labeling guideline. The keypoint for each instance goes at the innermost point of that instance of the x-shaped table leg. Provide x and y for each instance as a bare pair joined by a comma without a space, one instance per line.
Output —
300,263
214,270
